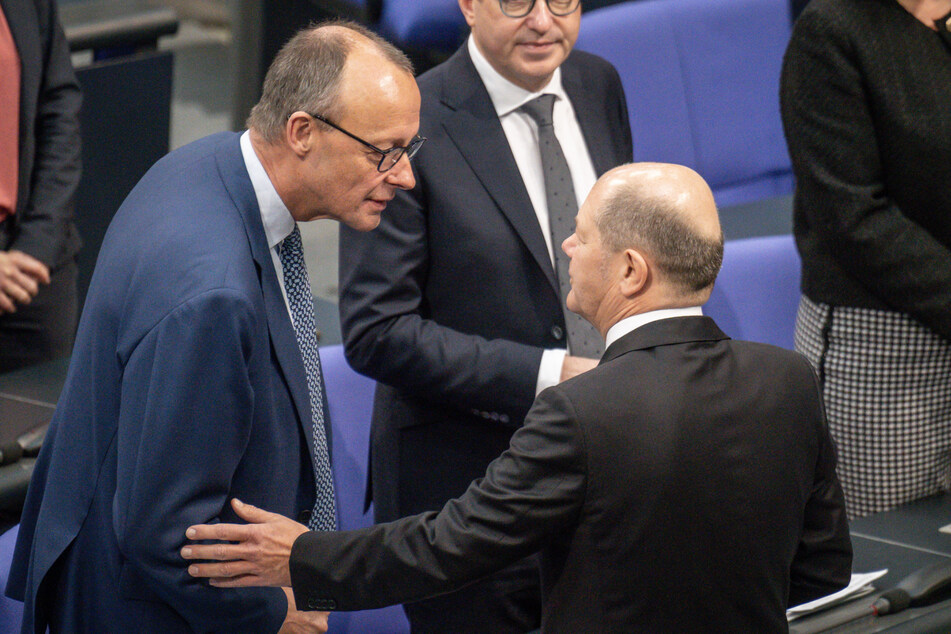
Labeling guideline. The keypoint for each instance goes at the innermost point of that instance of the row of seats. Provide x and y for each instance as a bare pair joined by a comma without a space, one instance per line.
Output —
702,84
424,25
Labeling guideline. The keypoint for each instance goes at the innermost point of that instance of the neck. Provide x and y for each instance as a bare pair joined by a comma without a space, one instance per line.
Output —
659,297
608,315
273,159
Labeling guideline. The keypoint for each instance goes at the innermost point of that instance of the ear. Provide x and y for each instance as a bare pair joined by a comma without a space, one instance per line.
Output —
300,133
636,273
467,11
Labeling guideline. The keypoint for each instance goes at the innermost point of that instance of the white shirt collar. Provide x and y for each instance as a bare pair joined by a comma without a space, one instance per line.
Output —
276,217
632,323
506,96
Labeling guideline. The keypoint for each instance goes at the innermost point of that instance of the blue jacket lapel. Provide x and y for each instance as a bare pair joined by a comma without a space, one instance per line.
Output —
283,339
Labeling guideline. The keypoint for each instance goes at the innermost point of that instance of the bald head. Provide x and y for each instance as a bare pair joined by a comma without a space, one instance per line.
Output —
667,212
308,72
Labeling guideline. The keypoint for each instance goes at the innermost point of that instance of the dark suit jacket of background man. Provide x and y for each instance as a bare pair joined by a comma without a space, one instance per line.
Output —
687,484
451,300
49,154
186,388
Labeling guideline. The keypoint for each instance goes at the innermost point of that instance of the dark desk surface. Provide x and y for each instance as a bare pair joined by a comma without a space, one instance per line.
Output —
911,530
27,400
39,383
902,540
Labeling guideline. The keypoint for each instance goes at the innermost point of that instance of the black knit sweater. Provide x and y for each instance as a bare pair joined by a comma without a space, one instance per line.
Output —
866,104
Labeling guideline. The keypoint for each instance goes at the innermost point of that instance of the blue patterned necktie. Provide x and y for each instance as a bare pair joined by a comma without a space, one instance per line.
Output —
301,302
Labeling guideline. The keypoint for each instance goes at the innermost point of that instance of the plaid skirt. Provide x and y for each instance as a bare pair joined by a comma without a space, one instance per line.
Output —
886,383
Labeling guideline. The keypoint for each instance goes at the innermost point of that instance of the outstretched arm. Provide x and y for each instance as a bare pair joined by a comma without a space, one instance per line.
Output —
531,493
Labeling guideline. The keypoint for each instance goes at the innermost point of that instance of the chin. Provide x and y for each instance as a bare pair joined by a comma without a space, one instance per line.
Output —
364,221
572,304
368,224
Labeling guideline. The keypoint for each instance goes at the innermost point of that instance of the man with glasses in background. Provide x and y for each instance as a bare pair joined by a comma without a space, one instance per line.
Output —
456,303
195,376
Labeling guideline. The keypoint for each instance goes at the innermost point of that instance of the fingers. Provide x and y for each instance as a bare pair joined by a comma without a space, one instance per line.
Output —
18,287
214,552
6,304
242,573
30,266
251,513
222,532
20,275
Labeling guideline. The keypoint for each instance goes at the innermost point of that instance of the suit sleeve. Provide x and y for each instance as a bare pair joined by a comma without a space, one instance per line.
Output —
44,225
389,337
823,560
184,425
840,178
533,491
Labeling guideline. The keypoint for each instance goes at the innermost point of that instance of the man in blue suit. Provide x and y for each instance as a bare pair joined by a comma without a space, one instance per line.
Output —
188,384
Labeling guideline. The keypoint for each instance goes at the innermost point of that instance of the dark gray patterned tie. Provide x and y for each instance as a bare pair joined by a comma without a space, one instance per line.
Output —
583,339
301,302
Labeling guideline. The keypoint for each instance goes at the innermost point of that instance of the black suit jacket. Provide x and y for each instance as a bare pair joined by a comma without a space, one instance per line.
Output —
49,153
687,484
451,301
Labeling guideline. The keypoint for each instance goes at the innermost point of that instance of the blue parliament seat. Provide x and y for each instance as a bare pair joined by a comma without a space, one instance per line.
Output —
757,293
423,25
350,404
11,610
436,27
702,85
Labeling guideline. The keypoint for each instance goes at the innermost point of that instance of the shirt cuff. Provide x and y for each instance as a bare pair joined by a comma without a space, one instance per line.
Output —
549,370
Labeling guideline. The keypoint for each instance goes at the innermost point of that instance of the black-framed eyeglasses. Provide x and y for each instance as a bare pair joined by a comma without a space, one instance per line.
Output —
521,8
388,158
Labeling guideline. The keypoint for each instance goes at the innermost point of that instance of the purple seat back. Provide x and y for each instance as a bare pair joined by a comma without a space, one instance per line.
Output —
757,293
350,404
702,85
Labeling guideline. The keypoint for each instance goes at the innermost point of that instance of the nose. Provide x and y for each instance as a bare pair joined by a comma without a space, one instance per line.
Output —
401,175
539,18
568,246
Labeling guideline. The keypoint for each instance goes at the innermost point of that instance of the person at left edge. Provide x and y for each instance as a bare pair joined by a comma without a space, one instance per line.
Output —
187,385
39,174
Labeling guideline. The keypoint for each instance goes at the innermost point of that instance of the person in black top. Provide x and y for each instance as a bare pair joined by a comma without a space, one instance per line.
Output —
865,105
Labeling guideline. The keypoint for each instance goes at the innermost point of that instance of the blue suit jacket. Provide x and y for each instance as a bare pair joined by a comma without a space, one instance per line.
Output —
186,388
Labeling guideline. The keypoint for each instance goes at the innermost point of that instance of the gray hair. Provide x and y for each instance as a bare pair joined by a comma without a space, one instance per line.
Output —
305,75
634,218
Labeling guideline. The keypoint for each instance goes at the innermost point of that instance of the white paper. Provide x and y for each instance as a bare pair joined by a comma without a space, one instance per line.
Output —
861,583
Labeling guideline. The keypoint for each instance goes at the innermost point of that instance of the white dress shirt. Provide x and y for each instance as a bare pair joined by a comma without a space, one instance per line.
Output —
276,217
522,135
632,323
